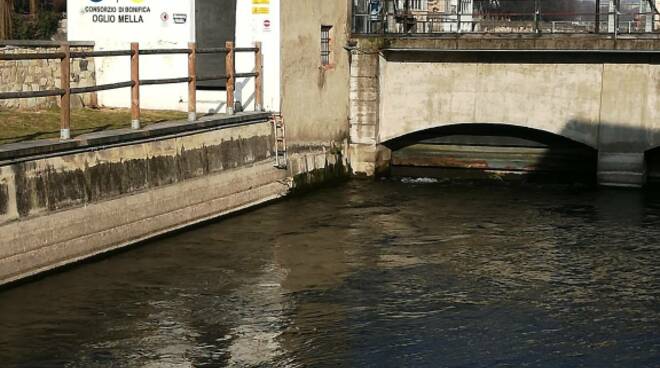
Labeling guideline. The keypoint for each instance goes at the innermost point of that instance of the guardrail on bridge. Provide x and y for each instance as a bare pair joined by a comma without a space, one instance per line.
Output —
504,16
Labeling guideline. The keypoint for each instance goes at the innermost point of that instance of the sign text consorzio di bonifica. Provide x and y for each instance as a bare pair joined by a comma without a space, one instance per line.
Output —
117,14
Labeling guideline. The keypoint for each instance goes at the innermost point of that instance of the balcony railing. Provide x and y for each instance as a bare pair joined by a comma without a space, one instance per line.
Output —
372,17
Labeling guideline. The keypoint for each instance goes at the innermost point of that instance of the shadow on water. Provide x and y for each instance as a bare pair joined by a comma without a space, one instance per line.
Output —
496,152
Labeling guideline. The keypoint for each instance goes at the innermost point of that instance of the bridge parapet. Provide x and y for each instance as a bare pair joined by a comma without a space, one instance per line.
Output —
512,42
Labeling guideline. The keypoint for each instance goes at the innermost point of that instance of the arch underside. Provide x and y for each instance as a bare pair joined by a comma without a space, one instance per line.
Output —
652,158
501,150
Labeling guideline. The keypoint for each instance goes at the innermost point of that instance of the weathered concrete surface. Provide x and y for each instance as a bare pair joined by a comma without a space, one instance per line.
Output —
61,209
510,41
314,97
612,107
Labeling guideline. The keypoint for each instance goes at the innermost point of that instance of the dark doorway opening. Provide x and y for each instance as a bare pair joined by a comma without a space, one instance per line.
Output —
493,152
215,24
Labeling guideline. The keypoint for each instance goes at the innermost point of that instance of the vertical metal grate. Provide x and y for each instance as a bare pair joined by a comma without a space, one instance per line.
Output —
325,45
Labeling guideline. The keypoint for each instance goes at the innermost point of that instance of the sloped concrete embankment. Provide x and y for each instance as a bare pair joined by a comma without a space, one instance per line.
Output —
70,206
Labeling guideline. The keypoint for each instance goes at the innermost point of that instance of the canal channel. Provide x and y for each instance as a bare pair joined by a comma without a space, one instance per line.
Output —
387,273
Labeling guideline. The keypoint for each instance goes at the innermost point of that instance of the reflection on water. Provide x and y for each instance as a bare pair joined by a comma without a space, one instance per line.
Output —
382,274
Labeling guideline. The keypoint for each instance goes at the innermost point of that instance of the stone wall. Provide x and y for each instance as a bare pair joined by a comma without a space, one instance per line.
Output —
40,75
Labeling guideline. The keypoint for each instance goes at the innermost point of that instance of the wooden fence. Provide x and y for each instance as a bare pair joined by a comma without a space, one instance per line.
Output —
65,91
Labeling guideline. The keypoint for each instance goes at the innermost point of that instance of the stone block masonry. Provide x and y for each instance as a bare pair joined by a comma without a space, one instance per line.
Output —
40,75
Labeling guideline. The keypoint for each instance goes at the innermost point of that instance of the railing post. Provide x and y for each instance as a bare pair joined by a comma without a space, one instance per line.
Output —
65,100
597,27
259,79
612,23
231,80
459,10
537,16
135,89
192,82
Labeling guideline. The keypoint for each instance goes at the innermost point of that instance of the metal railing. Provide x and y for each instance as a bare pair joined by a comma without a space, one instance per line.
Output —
65,55
372,17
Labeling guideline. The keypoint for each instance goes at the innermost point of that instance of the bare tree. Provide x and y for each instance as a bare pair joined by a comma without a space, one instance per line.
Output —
34,7
6,10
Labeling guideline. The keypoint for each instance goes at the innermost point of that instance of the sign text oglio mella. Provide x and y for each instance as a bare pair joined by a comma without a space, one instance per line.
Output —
102,13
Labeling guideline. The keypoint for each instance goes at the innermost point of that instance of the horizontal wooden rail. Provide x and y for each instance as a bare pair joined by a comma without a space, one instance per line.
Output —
212,50
101,87
105,53
151,82
33,56
30,94
164,51
212,78
246,75
246,49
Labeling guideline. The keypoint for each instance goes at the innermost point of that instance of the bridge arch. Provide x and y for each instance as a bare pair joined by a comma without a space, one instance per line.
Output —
508,150
652,161
569,136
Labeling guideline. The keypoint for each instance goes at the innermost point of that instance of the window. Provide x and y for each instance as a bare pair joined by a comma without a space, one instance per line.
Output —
325,45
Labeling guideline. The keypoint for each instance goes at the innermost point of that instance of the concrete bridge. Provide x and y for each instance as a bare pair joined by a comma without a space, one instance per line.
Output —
597,91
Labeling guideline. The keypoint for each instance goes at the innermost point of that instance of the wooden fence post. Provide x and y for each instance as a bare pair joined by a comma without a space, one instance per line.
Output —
231,80
259,79
135,89
65,100
192,82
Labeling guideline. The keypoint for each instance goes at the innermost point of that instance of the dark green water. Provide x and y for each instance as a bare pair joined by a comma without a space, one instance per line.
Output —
369,274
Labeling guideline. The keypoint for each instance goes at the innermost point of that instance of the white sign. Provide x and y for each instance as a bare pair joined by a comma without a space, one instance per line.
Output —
130,20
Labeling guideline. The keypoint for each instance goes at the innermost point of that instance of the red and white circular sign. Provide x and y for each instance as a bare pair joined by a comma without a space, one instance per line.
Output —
266,23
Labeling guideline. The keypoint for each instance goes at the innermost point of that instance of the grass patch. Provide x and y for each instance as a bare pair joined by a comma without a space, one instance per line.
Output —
19,126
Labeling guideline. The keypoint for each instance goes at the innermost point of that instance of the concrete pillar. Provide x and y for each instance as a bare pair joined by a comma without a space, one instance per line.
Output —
364,110
621,169
627,122
645,7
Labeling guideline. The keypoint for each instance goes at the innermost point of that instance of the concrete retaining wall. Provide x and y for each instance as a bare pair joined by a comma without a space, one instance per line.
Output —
61,209
78,203
40,75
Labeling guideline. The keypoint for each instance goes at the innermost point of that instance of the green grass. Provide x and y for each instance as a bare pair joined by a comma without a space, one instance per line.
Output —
19,126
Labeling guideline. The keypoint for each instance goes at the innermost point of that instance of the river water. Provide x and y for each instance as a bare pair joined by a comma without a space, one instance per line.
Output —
366,274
